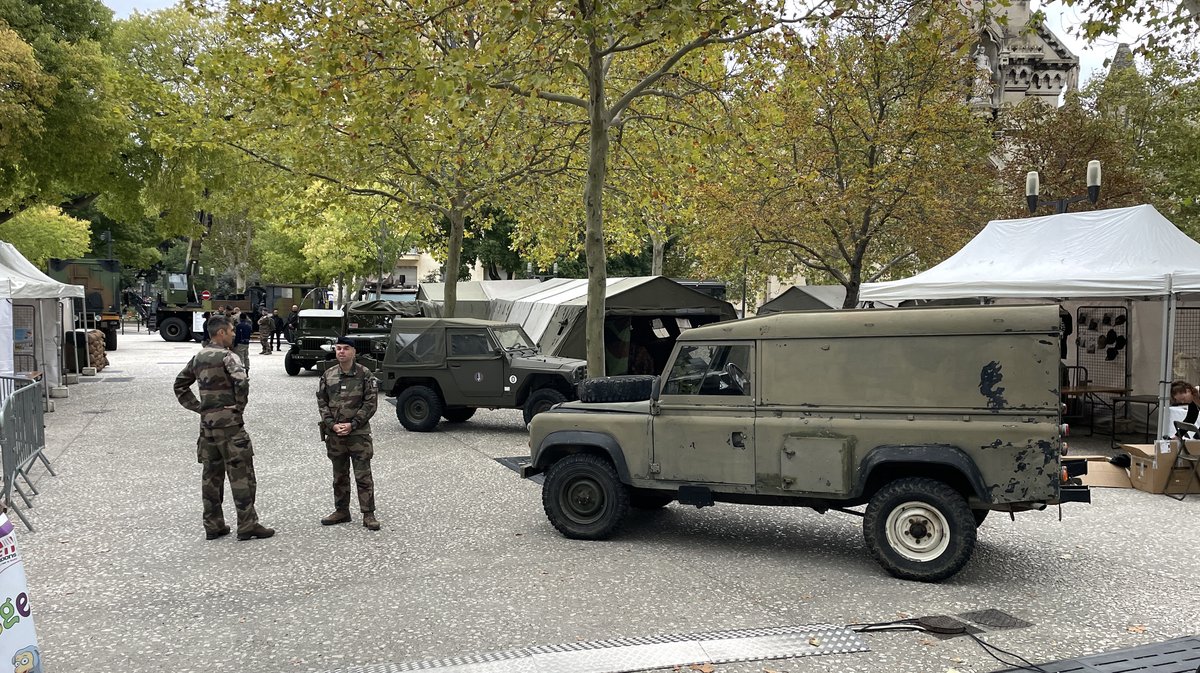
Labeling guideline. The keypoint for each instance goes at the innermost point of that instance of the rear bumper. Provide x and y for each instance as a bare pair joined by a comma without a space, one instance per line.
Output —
1074,494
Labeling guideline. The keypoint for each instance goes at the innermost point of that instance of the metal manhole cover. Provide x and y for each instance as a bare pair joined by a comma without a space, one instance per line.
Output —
996,619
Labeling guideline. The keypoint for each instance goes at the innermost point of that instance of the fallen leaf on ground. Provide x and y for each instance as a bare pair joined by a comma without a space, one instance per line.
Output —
702,668
1137,628
814,641
927,642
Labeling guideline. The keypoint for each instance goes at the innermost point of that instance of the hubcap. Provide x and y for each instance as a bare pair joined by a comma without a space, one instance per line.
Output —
583,500
917,531
417,410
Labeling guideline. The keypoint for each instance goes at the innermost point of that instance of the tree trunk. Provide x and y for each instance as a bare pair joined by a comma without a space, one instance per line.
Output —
594,207
854,282
658,247
454,258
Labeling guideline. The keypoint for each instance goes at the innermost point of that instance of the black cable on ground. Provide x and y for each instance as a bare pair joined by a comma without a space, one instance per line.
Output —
916,624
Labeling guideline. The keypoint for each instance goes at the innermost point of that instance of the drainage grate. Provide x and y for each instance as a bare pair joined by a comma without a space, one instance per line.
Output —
515,463
638,654
995,619
1181,655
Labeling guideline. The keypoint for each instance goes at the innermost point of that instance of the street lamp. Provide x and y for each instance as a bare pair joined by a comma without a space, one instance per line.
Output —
1033,185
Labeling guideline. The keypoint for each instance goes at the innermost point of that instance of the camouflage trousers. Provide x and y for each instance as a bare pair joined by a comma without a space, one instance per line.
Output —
265,340
243,353
221,452
343,451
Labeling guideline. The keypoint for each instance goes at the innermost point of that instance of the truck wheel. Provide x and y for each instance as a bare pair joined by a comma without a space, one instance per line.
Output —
419,409
647,499
541,400
583,497
173,329
919,529
290,365
458,414
110,339
632,388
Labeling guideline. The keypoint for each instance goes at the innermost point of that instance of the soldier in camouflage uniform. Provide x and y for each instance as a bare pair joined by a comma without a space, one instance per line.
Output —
266,324
223,447
347,396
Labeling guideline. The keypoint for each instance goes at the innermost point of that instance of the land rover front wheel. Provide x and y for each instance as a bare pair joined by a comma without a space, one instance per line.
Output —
419,408
919,529
290,365
584,498
541,400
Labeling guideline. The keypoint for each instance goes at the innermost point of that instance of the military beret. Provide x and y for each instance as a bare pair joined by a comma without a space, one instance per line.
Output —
346,341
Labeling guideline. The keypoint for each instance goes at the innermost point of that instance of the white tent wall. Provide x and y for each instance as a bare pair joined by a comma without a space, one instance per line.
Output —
6,333
33,290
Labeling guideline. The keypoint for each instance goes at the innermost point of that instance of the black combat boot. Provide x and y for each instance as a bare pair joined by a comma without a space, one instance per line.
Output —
338,516
370,521
259,531
214,534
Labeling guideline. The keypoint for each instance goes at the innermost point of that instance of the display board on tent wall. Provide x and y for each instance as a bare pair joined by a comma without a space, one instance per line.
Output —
1185,361
1102,344
24,332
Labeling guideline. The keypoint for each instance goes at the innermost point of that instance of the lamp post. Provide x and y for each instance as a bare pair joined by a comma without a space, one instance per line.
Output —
1033,185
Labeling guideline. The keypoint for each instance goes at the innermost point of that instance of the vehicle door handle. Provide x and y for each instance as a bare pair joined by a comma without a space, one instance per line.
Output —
739,440
456,366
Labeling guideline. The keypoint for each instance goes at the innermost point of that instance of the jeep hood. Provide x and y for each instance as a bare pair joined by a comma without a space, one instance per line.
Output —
547,362
576,407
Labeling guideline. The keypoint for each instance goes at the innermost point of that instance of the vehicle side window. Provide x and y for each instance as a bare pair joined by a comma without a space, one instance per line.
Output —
416,346
710,370
470,343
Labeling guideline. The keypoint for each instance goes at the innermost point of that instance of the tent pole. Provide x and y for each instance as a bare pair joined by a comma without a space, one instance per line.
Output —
1168,345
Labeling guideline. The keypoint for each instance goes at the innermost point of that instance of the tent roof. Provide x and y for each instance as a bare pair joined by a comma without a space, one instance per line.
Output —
1103,253
27,282
806,297
475,290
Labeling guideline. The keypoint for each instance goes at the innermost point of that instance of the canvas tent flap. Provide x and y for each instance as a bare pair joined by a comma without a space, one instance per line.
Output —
1119,252
806,298
27,282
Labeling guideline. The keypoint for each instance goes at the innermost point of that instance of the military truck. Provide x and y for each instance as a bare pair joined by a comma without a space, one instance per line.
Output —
931,417
101,304
448,367
369,323
178,310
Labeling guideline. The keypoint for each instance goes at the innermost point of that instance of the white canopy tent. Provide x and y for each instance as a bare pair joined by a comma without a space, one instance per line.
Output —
49,303
1119,253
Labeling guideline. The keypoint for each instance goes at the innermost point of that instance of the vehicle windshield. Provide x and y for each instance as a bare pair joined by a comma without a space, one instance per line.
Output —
512,338
370,322
321,324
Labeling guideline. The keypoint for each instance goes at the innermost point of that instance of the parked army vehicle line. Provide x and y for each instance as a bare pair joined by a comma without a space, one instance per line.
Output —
931,417
368,323
446,368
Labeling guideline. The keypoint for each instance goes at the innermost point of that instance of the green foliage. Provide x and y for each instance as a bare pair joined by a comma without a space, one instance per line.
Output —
44,232
858,158
62,130
1165,26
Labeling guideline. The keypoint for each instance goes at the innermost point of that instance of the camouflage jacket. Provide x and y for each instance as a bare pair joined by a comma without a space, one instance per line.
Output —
348,398
224,389
266,325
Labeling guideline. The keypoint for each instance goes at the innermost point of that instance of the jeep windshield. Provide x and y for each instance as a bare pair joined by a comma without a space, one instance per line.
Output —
321,324
513,339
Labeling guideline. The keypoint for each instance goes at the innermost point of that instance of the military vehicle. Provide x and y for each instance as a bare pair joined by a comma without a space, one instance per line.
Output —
368,323
448,367
101,304
178,310
931,417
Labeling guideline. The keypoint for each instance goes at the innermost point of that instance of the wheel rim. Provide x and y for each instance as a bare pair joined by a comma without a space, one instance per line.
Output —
172,330
917,531
583,500
417,410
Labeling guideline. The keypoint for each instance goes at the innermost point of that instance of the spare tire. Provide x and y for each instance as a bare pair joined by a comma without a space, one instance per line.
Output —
633,388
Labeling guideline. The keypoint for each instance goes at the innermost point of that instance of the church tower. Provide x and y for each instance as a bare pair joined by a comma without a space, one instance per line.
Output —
1023,61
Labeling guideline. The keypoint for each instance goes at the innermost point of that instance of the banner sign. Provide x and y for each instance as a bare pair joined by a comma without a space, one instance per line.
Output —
18,642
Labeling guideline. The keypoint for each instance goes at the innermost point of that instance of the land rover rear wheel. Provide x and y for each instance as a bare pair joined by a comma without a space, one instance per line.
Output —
419,408
919,529
458,414
541,400
290,365
584,498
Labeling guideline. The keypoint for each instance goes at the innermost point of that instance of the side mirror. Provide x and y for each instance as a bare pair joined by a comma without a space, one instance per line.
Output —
655,391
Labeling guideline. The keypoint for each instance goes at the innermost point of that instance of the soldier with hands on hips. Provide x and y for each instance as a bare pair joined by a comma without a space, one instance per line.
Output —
223,447
347,396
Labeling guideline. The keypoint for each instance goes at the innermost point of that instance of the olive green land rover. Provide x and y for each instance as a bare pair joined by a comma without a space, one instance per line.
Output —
448,367
931,417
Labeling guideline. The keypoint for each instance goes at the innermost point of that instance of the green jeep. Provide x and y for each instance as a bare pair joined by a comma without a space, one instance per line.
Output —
931,417
368,323
448,367
316,329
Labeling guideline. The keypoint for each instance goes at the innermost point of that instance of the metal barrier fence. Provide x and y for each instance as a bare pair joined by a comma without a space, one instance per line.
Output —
22,437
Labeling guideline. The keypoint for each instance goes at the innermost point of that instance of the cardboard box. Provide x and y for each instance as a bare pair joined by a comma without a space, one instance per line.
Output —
1153,468
1100,472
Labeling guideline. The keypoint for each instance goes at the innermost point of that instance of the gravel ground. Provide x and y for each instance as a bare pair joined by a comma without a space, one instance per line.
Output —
122,578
